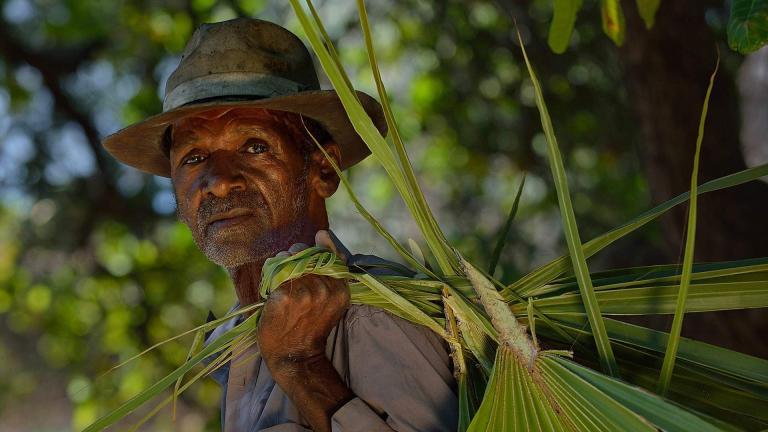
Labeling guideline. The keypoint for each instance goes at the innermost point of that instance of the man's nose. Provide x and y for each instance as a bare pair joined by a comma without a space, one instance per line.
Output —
223,175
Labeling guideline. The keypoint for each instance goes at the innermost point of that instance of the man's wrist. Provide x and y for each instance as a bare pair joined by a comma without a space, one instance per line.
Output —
313,385
292,364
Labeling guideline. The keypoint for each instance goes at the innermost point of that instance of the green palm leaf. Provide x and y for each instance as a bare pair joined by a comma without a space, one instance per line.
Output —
220,344
575,249
690,241
505,380
561,265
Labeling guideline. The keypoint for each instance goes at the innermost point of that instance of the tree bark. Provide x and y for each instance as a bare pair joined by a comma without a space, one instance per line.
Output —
667,70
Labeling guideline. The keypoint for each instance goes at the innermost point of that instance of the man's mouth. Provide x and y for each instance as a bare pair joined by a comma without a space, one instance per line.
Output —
229,218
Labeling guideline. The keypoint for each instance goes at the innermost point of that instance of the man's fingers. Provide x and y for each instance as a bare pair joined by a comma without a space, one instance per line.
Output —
297,247
293,250
323,239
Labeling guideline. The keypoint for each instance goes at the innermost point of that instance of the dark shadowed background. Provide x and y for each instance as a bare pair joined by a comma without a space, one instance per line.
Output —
94,267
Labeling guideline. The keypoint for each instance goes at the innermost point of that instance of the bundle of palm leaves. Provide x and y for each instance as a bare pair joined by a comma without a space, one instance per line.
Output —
628,377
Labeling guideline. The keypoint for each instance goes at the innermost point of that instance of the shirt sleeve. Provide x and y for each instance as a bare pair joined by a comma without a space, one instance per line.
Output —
286,427
401,375
355,415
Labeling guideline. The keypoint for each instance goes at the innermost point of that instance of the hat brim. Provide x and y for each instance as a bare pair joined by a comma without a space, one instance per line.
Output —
140,145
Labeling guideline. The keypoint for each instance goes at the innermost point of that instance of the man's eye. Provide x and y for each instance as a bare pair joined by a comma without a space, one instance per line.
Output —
255,147
193,159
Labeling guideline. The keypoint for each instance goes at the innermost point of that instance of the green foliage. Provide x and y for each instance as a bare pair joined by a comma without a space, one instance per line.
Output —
550,271
95,313
690,241
748,25
572,236
502,237
647,10
93,270
528,388
613,20
499,404
611,14
563,20
220,344
645,406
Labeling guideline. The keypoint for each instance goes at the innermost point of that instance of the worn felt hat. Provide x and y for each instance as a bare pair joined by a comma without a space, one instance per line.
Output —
243,62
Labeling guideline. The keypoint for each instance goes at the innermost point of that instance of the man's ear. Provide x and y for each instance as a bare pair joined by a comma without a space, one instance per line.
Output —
323,178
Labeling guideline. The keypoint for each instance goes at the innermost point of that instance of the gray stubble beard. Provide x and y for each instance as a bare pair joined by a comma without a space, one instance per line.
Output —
244,250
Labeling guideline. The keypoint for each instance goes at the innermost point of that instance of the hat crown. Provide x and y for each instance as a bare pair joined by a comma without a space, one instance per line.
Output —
244,57
243,62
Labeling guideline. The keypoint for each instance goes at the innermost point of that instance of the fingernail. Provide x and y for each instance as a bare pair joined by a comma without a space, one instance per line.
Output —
323,239
297,247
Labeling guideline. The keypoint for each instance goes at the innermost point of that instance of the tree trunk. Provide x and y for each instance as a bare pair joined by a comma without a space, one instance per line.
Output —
667,70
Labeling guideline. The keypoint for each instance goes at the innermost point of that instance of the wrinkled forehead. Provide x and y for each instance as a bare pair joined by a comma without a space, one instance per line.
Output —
225,117
219,120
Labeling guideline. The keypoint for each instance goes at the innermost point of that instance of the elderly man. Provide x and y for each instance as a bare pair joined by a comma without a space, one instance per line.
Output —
250,184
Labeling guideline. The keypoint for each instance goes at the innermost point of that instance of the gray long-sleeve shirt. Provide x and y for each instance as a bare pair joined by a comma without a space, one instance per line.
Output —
400,373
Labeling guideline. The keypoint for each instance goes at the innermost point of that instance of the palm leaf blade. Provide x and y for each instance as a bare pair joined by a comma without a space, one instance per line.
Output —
576,252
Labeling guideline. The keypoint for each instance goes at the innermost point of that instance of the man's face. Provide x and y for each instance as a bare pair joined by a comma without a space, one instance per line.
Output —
240,182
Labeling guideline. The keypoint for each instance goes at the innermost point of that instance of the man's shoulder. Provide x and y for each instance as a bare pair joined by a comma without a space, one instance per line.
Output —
363,314
366,324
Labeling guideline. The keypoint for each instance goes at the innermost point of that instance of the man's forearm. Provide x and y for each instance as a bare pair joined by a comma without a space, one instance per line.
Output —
315,388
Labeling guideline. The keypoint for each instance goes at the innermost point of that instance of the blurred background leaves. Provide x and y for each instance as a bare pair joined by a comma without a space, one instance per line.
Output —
94,268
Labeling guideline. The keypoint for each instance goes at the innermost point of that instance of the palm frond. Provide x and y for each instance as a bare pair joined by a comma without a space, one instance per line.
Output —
506,381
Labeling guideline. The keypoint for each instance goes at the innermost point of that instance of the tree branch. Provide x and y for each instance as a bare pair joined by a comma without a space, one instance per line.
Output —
53,68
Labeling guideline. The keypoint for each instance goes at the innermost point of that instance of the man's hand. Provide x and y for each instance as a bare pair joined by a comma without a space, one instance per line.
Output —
298,317
300,314
293,330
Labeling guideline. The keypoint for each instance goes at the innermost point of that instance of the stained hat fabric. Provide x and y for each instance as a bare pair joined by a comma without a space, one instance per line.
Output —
244,62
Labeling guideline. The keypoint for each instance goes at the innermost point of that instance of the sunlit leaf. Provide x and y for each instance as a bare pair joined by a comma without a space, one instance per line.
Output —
613,20
563,19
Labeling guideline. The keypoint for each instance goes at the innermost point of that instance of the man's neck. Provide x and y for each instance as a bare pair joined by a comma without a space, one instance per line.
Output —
247,277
